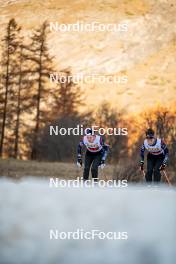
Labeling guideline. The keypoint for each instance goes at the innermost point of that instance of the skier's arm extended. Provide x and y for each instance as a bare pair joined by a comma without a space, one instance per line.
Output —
79,149
142,152
105,150
166,152
79,152
142,157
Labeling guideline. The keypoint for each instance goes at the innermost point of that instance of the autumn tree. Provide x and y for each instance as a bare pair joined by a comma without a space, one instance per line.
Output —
24,99
108,117
10,46
67,96
42,67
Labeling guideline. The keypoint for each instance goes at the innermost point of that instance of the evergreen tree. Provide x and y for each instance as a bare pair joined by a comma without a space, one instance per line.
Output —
42,67
68,96
10,45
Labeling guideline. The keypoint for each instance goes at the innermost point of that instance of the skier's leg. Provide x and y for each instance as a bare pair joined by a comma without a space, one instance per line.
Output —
150,166
157,173
87,163
95,164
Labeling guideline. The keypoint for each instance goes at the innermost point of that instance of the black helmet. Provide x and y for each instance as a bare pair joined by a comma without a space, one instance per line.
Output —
150,133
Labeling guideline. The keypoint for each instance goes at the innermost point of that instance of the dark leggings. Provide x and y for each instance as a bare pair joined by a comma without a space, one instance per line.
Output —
93,159
154,163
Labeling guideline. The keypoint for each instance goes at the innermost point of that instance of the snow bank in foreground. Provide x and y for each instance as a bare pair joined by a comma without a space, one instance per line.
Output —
30,209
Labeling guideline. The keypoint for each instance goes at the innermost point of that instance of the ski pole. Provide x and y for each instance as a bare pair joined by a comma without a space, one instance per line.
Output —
143,173
77,173
102,174
104,177
167,178
78,170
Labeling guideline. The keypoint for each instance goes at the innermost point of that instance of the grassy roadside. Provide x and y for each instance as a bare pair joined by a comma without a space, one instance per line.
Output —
18,169
21,168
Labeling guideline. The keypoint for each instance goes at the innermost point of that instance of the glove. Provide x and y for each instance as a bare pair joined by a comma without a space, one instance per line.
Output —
163,166
142,165
79,162
102,164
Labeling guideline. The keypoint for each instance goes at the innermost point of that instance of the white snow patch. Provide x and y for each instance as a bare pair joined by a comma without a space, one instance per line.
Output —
29,209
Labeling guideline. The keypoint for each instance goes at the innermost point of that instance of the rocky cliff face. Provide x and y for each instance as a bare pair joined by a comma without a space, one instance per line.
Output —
145,53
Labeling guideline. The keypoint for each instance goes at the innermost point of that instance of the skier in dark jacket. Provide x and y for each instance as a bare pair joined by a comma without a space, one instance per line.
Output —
157,157
96,153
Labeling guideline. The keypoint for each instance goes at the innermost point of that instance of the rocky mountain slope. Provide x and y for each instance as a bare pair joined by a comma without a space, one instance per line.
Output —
145,53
